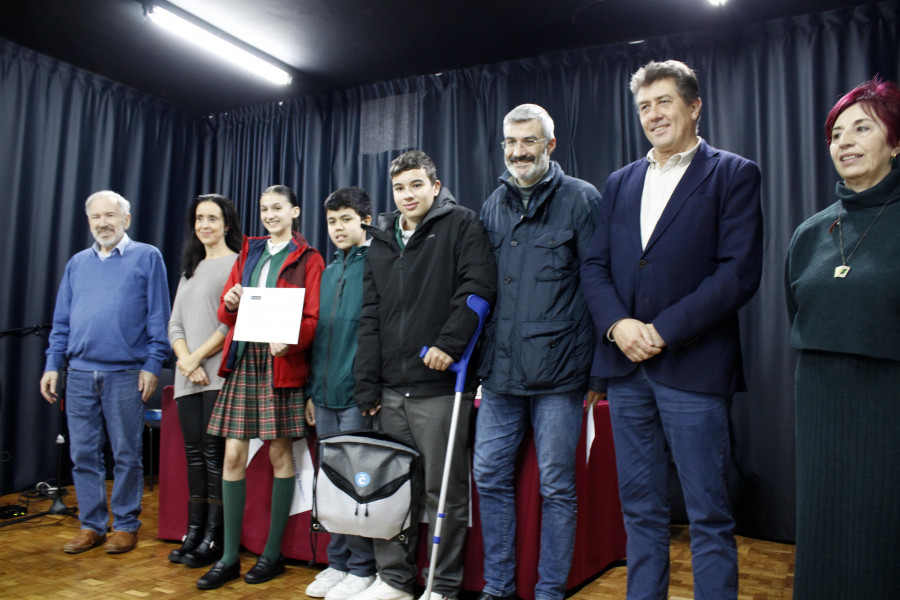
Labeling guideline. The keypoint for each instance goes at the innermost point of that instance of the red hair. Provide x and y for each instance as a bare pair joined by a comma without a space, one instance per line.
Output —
876,95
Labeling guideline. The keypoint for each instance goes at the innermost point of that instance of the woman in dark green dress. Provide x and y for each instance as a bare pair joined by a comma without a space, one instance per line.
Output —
843,291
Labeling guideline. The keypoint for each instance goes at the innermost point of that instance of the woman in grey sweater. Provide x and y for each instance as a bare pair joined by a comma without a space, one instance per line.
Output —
213,238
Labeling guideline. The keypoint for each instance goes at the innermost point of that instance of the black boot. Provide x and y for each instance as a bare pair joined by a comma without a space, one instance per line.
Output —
196,525
210,548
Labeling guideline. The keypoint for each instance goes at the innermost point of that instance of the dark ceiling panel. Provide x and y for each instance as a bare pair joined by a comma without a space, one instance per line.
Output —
335,44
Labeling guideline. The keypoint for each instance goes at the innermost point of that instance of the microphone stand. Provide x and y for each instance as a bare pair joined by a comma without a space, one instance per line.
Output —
58,507
56,494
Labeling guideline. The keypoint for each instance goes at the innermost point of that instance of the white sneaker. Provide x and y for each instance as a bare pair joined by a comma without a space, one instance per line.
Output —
381,591
434,596
324,581
350,586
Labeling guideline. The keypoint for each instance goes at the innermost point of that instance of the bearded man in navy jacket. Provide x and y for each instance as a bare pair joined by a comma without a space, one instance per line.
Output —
677,251
110,323
536,352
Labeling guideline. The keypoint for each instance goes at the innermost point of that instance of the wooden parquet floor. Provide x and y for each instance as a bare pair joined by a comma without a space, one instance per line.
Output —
34,567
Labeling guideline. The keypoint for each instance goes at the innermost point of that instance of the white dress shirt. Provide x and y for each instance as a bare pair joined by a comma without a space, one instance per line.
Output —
659,183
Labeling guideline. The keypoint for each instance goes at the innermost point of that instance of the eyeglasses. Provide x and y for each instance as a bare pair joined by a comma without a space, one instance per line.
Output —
527,143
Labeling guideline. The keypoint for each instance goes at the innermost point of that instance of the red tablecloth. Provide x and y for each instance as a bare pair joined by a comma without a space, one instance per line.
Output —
599,541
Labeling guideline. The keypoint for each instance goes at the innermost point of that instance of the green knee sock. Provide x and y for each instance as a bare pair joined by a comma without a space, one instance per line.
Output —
282,496
234,494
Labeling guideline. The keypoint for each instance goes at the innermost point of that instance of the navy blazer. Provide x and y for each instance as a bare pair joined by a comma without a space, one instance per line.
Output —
702,263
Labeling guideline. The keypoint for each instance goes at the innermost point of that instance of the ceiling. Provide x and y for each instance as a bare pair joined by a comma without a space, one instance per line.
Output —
337,44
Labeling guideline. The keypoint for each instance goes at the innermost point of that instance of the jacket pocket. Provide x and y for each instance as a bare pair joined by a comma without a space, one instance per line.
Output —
555,255
551,353
495,238
485,349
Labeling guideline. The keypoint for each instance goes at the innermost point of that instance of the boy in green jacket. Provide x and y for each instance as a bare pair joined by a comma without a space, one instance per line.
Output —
330,405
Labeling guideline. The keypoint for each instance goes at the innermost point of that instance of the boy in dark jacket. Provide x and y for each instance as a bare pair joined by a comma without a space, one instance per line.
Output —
330,406
426,258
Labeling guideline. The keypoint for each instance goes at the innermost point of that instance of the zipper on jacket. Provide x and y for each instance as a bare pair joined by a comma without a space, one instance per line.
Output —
291,259
403,313
338,292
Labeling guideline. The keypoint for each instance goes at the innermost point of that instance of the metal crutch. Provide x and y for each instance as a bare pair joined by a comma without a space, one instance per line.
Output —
481,308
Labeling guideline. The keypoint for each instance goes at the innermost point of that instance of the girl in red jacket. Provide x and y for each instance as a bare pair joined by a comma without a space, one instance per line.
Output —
263,394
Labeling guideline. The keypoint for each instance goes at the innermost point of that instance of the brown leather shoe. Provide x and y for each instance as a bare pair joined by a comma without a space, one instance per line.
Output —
121,541
84,541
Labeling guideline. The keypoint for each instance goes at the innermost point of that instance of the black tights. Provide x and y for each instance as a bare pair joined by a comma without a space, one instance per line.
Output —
205,453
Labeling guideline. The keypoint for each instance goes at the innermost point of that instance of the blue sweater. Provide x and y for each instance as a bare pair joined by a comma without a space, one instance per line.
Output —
111,315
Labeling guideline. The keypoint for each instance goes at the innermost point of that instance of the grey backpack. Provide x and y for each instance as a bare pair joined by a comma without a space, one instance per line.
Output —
367,484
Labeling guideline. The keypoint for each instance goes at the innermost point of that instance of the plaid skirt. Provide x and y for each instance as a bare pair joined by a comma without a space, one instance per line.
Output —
249,407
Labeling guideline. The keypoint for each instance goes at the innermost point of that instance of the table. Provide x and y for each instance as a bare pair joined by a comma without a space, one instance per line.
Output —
599,539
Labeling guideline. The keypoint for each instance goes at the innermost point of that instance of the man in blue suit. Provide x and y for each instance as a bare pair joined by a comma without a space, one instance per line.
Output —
676,252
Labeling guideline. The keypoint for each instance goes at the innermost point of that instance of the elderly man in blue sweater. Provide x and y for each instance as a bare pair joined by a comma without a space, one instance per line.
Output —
110,322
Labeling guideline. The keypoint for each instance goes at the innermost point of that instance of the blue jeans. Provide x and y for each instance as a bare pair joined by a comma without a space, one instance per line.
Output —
92,399
346,553
650,422
502,421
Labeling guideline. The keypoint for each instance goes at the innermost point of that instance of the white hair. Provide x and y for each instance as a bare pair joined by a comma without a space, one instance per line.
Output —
120,201
530,112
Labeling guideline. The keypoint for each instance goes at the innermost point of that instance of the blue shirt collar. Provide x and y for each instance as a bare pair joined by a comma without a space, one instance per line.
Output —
121,246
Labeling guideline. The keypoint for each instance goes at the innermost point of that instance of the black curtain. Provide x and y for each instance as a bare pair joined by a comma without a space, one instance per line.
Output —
64,134
766,89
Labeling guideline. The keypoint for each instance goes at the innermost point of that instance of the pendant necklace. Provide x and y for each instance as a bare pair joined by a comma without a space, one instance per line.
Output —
841,271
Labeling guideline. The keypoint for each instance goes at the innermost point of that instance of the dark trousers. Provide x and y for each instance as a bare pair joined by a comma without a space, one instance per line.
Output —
424,423
205,453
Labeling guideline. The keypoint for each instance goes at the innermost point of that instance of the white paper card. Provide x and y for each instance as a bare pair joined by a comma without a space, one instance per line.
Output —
255,445
303,472
269,315
591,434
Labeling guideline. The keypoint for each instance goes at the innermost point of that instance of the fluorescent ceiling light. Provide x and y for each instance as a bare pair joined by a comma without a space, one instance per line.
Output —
218,46
718,2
